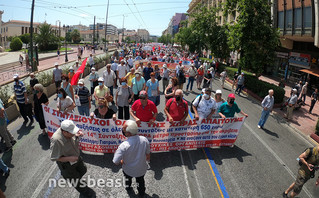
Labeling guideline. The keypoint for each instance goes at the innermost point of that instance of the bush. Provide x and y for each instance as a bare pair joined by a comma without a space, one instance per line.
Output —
45,78
5,96
261,88
16,44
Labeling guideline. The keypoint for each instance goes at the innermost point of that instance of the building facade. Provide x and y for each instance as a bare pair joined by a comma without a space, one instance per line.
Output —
143,34
298,56
111,29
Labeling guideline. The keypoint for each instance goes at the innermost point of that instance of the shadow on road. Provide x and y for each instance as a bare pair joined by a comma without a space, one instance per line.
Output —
271,133
24,130
218,154
44,141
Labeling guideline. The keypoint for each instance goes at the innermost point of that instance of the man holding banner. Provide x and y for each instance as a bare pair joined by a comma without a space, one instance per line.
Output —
176,108
230,107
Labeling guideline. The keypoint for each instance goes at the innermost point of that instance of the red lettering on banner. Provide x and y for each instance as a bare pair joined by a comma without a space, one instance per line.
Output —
102,122
54,113
84,120
118,122
46,109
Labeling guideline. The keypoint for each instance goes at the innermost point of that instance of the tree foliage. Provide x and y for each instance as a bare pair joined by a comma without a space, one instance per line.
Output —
253,34
75,35
16,44
25,38
46,38
166,39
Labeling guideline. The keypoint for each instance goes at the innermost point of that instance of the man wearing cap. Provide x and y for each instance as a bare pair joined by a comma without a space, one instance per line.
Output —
133,154
109,78
57,75
166,73
292,101
204,105
94,76
20,93
230,107
121,70
65,151
83,95
267,105
176,108
240,83
101,91
143,110
178,67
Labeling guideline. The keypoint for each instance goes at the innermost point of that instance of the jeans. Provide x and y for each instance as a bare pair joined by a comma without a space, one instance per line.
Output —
111,90
303,96
190,81
84,109
313,102
264,117
126,111
140,183
239,87
3,166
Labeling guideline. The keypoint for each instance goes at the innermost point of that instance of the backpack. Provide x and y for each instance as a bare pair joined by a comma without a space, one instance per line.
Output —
308,157
200,98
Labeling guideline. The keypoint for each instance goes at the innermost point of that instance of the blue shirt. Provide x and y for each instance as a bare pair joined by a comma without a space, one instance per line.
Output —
152,88
19,90
268,102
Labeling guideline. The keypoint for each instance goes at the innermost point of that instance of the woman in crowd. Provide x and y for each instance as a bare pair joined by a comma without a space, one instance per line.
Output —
40,98
101,91
140,68
138,84
200,76
171,88
65,102
152,89
124,96
157,72
83,95
103,111
219,101
67,86
181,77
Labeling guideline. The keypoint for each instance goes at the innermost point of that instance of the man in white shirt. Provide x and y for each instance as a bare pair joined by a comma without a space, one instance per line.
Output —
130,61
91,61
133,155
109,78
114,69
121,70
204,106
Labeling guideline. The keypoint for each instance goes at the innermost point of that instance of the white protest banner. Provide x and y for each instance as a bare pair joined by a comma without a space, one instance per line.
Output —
104,136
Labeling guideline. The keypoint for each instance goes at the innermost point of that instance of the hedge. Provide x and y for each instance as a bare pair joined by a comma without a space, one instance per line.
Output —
317,127
16,44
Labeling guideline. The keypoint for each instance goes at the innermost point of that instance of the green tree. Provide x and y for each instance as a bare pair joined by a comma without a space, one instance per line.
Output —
46,39
75,35
253,34
25,38
68,37
16,44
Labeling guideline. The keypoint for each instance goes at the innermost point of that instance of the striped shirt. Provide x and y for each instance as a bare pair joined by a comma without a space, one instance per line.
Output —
83,94
19,90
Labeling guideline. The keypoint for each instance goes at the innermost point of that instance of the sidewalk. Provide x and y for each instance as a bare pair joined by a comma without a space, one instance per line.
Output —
302,120
6,77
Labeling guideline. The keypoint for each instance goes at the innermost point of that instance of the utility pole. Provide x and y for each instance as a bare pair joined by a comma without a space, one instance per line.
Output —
33,65
107,13
93,31
97,33
59,28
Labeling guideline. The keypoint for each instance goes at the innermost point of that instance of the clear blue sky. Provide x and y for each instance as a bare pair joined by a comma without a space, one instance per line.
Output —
153,15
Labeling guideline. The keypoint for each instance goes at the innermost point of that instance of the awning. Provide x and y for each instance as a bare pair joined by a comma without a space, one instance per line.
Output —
314,72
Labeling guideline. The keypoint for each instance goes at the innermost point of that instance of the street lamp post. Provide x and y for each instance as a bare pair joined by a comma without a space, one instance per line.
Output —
65,42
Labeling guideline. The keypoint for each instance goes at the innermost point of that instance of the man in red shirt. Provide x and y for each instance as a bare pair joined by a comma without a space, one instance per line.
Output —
143,110
176,108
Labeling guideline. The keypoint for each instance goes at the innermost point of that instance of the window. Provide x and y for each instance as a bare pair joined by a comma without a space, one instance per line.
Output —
6,29
307,17
288,19
281,20
22,30
297,18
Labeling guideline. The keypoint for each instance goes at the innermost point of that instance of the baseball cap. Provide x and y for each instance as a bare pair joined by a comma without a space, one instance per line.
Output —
71,68
231,95
218,91
69,126
242,73
100,79
15,76
180,61
143,93
56,64
294,90
93,69
81,81
164,66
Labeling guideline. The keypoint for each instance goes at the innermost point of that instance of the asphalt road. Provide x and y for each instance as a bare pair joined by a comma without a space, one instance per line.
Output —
261,164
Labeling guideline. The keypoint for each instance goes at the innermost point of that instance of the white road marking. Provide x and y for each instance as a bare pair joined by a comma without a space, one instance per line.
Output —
196,179
43,181
276,156
185,175
50,188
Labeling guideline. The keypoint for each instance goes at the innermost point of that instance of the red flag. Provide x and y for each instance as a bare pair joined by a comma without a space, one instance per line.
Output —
76,76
